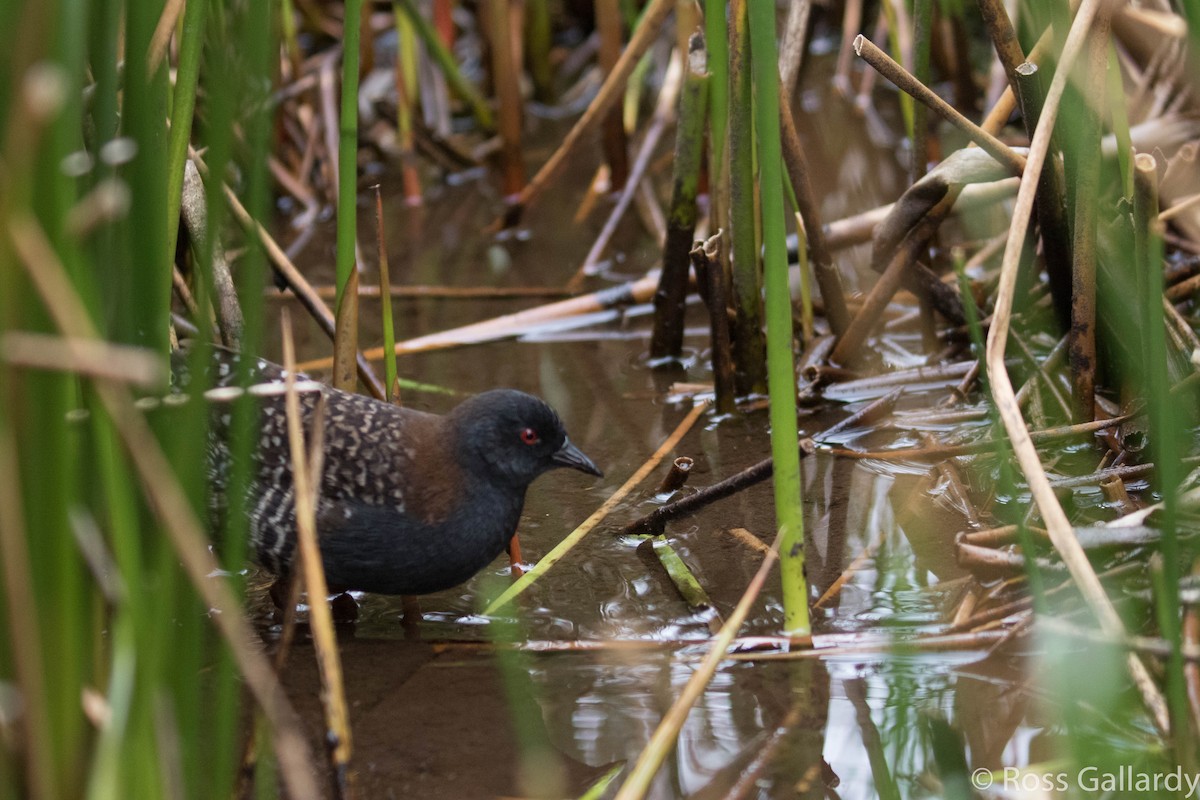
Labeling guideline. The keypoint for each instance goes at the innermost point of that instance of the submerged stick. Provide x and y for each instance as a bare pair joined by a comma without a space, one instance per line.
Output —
655,522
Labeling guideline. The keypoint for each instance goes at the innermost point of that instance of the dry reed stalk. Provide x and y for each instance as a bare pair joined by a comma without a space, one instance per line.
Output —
306,480
919,91
506,76
1047,502
90,358
851,22
615,142
508,325
327,292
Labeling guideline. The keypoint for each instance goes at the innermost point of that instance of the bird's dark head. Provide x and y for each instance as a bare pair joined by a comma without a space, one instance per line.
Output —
515,435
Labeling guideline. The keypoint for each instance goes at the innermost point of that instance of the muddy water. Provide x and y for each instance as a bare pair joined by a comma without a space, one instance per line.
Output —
433,715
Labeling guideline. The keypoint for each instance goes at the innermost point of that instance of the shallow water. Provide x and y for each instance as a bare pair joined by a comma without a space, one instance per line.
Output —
431,713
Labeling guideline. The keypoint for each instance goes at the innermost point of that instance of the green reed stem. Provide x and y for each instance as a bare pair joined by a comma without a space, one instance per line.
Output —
347,219
1168,431
195,17
781,367
748,353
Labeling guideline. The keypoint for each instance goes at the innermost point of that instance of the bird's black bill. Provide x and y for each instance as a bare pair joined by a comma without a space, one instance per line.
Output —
571,456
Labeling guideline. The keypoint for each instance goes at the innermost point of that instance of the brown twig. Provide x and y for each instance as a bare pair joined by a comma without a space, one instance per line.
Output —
709,267
306,481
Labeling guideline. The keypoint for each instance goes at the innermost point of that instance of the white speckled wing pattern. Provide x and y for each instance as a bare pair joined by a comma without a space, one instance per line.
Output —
364,451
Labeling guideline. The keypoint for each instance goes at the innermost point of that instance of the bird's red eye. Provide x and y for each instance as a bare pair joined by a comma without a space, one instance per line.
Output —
529,436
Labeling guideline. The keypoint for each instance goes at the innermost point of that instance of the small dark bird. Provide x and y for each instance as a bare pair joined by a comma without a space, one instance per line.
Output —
410,502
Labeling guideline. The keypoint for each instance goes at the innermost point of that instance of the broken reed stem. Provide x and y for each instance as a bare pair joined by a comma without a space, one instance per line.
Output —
306,483
562,548
1004,38
610,92
655,522
919,91
749,348
1051,510
690,589
707,261
667,732
670,300
677,476
829,279
172,507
